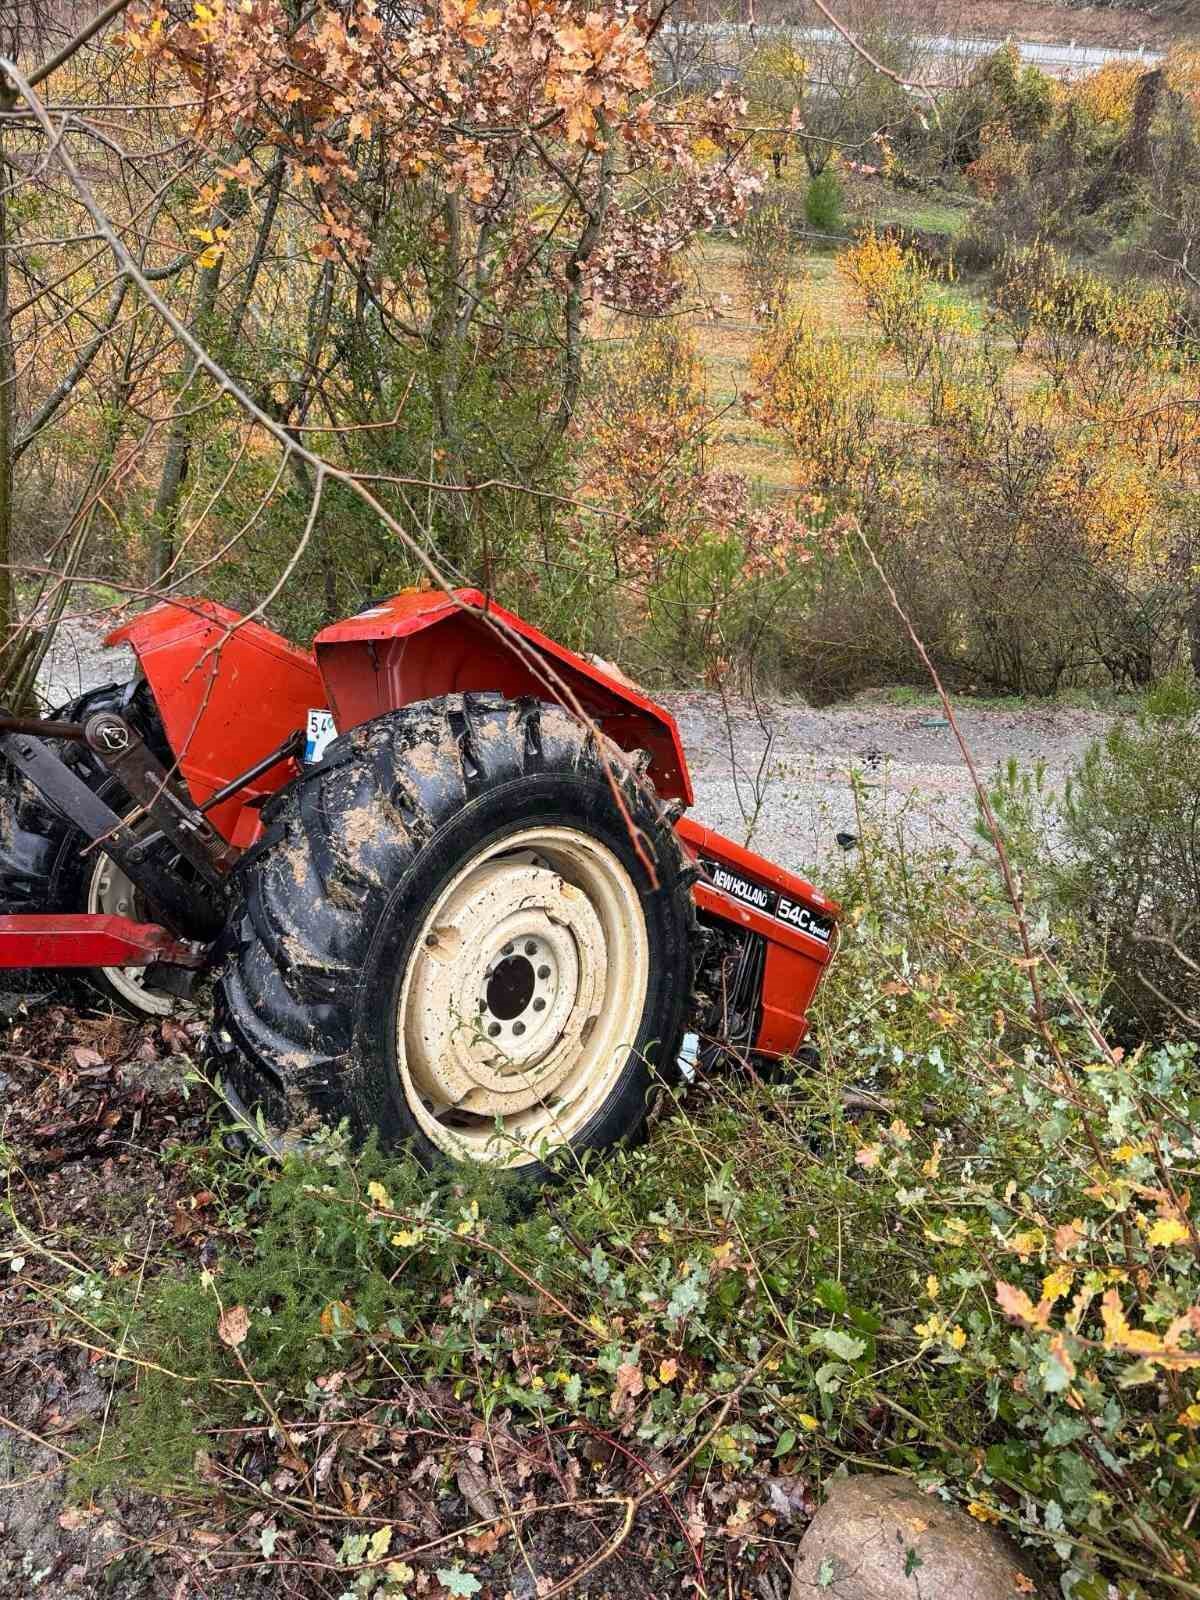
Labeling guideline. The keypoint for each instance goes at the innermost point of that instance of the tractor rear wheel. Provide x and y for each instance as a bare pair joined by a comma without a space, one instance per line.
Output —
469,929
42,865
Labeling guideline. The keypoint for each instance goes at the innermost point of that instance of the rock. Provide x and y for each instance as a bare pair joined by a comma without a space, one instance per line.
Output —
878,1537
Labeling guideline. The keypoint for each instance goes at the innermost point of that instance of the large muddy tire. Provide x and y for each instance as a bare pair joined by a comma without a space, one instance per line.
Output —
456,935
42,865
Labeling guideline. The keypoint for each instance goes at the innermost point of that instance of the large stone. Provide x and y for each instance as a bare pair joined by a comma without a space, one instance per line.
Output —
878,1537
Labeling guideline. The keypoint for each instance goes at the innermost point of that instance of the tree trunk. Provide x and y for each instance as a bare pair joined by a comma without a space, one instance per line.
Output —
7,405
179,443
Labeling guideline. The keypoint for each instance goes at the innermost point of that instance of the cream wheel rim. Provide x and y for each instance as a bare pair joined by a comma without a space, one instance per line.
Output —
523,997
111,893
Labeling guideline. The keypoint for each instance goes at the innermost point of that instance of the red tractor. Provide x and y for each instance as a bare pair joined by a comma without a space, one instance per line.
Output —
438,866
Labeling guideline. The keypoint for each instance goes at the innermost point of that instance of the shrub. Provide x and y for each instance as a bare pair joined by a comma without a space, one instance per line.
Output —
823,201
768,256
823,395
1117,854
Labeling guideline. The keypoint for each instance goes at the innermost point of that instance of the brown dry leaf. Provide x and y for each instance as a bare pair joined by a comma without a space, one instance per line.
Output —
233,1325
76,1517
85,1056
486,1543
630,1384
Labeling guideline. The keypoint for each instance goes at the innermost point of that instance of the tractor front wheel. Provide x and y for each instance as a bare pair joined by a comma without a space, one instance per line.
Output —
469,930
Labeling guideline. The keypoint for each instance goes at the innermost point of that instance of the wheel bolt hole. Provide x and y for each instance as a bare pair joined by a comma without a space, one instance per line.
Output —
518,1027
543,972
530,948
539,1004
493,1029
508,950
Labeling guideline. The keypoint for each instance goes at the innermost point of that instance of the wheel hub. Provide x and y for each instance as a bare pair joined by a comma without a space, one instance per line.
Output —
518,977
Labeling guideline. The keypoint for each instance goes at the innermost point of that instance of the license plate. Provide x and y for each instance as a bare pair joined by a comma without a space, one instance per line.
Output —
318,733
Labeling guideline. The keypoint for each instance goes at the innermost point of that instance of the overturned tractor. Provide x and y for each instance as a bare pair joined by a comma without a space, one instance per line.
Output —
438,866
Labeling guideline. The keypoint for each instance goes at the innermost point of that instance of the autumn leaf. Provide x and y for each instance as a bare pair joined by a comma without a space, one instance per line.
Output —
336,1318
630,1384
1015,1303
1167,1231
233,1325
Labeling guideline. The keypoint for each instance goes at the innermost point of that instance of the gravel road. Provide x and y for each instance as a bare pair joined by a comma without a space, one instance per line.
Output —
782,781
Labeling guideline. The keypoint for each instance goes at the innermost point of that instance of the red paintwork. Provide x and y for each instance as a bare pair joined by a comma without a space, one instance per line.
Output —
795,960
427,643
229,692
88,941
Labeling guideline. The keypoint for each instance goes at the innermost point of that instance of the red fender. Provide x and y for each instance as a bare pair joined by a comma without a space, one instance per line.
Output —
422,644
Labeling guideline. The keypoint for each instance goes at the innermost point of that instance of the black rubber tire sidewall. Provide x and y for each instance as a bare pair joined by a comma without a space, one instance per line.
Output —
580,803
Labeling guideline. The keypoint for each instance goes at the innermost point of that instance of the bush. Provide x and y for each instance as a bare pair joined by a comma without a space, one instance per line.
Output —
823,202
1117,855
768,256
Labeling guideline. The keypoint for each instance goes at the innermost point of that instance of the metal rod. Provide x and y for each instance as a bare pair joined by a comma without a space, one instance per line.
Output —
44,730
291,746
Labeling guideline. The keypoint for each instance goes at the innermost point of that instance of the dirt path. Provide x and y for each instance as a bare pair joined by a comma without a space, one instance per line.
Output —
785,781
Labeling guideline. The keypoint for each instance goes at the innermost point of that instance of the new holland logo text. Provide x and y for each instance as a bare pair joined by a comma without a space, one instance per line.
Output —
770,902
750,894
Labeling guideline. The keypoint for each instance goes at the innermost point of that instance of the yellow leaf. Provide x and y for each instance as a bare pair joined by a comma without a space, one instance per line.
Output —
957,1338
1190,1416
1127,1152
377,1193
381,1541
668,1370
810,1424
983,1513
1026,1242
1167,1231
1055,1284
407,1237
933,1286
